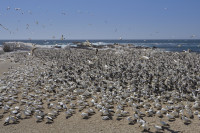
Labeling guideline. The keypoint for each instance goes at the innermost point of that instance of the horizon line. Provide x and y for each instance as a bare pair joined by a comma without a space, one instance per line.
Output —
101,39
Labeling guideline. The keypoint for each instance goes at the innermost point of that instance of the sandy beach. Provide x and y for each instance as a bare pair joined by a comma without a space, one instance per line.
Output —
6,64
28,69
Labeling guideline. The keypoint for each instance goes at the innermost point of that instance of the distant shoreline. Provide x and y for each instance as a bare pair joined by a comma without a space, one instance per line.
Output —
166,45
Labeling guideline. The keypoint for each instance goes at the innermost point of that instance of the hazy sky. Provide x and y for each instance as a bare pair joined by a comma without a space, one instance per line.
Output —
99,19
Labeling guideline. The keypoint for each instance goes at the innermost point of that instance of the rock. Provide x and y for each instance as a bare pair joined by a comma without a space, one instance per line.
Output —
13,46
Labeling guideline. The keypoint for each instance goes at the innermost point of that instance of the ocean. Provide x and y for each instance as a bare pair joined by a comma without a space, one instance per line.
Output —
167,45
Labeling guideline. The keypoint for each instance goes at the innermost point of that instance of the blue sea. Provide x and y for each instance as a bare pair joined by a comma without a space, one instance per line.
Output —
167,45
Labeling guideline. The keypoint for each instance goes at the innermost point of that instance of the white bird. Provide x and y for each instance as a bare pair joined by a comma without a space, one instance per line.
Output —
163,110
64,106
145,57
38,118
141,121
158,128
17,107
164,124
17,9
145,127
91,111
196,112
104,112
19,115
14,119
7,121
85,115
198,116
124,113
175,114
68,114
49,120
14,111
193,36
170,117
149,113
105,118
130,120
186,120
50,105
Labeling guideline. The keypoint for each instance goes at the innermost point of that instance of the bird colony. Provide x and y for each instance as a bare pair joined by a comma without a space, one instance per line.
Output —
120,83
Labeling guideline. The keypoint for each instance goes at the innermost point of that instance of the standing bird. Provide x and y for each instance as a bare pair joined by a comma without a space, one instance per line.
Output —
97,51
33,50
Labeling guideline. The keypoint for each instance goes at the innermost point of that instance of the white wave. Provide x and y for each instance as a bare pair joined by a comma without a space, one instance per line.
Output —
99,43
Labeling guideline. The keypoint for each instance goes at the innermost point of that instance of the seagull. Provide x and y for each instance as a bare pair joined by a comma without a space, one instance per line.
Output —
158,128
4,27
130,120
164,124
17,9
8,8
30,12
85,115
27,26
193,36
63,13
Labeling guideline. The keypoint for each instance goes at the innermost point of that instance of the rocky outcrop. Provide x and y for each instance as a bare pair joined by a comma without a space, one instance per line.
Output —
14,46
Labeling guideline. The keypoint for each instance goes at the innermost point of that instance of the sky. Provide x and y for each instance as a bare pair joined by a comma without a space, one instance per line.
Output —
100,19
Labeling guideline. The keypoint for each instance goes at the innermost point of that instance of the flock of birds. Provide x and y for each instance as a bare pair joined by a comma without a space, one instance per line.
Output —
119,83
27,26
64,13
20,11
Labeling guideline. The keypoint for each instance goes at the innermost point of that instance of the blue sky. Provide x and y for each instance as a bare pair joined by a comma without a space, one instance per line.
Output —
100,19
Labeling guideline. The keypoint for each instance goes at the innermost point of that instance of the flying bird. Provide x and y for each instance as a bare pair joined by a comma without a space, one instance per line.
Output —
63,13
193,36
27,26
17,9
8,8
29,12
4,27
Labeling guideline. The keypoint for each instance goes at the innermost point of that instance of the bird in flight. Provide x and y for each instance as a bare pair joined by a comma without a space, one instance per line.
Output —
17,9
4,27
8,8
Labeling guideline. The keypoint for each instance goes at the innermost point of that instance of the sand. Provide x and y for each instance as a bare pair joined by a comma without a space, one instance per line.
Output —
5,65
76,124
